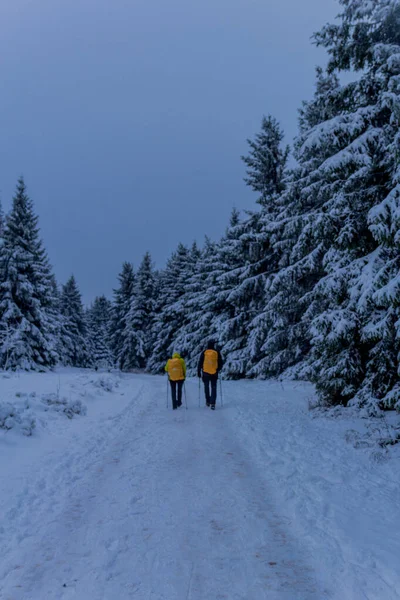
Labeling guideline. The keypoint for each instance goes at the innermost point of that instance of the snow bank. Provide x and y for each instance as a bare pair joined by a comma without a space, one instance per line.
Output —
33,402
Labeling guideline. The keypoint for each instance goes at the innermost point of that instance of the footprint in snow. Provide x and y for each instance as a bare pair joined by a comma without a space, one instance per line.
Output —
136,499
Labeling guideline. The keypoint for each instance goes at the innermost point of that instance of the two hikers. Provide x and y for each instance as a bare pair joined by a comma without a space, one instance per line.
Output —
209,366
176,369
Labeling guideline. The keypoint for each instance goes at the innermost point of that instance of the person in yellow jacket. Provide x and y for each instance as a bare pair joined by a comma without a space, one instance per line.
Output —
176,369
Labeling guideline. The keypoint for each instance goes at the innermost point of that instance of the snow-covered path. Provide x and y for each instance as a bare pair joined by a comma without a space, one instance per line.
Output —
149,504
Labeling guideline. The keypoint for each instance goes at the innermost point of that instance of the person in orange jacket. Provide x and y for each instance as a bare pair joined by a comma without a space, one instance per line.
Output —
176,369
209,366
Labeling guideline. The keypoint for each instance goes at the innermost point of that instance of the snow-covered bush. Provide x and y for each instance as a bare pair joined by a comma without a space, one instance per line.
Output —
107,384
315,402
375,433
11,417
28,399
27,423
63,405
7,415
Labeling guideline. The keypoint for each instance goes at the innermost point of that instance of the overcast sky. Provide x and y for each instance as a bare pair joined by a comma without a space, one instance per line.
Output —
127,118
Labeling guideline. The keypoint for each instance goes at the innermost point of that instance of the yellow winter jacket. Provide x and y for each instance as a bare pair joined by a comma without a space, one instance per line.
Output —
176,368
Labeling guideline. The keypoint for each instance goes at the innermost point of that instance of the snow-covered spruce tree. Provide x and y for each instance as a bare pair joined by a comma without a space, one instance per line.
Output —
123,299
255,257
280,334
27,310
328,234
170,307
199,305
266,162
56,316
99,316
138,333
2,224
225,289
75,341
356,335
222,282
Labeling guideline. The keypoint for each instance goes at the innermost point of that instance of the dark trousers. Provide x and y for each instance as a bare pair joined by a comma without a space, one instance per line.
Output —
174,386
210,381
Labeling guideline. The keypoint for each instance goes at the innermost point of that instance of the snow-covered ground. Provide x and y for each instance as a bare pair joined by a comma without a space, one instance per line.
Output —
258,500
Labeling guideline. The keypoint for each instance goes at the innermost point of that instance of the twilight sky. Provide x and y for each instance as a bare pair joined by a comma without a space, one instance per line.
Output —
127,118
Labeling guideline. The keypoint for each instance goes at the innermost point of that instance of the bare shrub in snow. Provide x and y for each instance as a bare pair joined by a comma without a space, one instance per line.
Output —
358,440
63,405
378,433
351,436
363,443
390,441
379,457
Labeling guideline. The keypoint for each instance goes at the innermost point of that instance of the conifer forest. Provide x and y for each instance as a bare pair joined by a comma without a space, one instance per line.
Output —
306,285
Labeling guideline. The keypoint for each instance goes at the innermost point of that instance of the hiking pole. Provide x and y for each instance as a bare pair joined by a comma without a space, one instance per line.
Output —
220,387
199,392
167,392
184,387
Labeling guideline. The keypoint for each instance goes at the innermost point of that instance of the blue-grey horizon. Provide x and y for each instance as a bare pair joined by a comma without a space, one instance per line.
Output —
128,120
